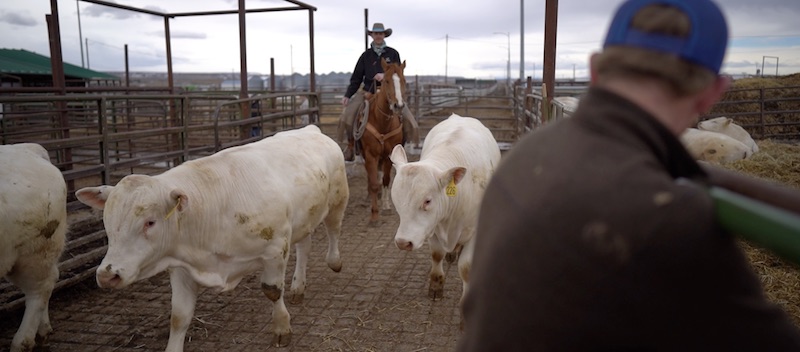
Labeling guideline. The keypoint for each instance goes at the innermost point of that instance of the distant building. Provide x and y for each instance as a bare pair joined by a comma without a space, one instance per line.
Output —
22,68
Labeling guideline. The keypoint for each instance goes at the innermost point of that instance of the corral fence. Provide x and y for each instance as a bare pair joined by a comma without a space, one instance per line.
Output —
766,113
433,102
99,137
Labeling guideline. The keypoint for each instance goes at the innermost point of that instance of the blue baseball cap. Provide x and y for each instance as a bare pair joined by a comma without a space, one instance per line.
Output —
705,45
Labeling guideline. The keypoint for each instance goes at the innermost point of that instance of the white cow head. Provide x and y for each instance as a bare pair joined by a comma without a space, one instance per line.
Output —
140,216
421,195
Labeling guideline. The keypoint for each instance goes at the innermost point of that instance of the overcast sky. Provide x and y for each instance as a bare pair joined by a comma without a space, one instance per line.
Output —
454,37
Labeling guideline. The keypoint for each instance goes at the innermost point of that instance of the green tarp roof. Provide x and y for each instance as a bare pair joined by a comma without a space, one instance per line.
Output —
23,62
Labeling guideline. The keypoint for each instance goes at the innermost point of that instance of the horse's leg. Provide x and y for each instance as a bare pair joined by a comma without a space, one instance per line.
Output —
387,177
373,186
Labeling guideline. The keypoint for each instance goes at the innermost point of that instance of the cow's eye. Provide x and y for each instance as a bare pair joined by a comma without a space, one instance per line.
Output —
149,224
426,204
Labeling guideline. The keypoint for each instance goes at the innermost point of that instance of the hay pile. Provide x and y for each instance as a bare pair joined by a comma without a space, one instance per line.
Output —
776,161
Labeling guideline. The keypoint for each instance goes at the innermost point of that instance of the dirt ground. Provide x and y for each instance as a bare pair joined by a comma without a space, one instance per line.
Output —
378,302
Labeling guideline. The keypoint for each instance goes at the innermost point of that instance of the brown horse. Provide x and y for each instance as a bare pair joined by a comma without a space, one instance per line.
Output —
384,130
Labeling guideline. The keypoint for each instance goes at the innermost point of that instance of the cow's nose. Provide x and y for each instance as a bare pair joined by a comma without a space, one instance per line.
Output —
404,244
107,278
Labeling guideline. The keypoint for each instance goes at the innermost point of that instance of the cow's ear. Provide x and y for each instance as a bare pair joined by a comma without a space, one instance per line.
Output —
455,175
180,198
94,197
727,122
398,156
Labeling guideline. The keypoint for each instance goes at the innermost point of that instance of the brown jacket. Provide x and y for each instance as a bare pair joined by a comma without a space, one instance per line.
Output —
588,243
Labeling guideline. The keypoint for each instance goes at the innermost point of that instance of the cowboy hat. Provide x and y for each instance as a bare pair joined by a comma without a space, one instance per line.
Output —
378,27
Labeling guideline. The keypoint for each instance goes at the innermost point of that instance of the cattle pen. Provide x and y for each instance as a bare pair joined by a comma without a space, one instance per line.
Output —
377,303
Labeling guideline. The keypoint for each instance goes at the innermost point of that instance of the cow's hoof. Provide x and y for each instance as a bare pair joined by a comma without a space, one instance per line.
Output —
271,291
281,340
387,212
335,266
453,256
435,293
296,298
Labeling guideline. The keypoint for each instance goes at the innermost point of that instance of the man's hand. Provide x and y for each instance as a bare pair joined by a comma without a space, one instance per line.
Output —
378,76
345,100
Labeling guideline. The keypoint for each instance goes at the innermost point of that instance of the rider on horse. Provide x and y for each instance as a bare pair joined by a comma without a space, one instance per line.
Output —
368,71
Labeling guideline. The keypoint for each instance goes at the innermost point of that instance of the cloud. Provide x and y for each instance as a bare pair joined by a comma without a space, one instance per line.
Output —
94,10
155,9
184,35
18,19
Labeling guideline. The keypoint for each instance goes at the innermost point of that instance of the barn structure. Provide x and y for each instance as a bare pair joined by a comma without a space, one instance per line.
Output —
23,68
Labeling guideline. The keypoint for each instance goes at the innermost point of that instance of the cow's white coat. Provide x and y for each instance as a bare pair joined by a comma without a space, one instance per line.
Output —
459,153
726,126
33,225
214,220
714,147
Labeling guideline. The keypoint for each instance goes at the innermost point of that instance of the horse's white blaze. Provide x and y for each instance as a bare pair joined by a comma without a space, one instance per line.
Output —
397,91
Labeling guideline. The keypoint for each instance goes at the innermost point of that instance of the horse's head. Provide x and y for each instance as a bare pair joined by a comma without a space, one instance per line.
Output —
394,84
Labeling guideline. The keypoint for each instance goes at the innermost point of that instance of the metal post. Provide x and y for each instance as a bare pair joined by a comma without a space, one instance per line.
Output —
244,131
127,69
521,40
366,25
313,74
170,78
550,22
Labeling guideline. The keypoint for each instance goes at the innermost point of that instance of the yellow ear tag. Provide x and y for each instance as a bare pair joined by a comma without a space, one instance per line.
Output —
451,189
173,210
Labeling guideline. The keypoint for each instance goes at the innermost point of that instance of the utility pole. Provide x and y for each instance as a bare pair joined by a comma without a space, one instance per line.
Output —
508,63
87,54
446,48
80,32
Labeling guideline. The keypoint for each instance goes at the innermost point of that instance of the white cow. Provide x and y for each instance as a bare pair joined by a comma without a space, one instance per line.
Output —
726,126
570,104
438,197
214,220
714,147
33,225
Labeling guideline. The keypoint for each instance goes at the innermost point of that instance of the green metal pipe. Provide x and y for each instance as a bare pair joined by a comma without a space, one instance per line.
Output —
765,225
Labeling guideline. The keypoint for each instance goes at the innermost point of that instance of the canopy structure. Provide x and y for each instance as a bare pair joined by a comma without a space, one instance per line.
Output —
293,5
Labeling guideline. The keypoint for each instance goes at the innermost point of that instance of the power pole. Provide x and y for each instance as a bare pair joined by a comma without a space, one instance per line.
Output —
446,48
80,32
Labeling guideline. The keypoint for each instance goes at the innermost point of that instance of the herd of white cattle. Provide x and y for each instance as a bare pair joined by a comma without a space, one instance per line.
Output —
214,220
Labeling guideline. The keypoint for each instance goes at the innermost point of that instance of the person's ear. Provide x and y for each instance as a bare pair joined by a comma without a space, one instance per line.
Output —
711,95
592,69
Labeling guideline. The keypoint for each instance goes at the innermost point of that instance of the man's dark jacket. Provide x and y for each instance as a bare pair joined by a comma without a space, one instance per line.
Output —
367,66
588,241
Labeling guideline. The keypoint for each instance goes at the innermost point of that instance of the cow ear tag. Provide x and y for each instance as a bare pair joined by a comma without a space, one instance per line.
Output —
173,210
451,188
